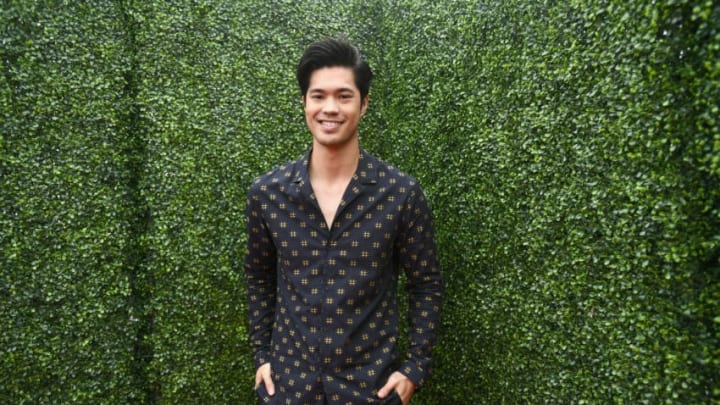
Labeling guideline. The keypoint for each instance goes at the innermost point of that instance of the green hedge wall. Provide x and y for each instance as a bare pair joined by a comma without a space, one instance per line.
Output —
571,152
66,207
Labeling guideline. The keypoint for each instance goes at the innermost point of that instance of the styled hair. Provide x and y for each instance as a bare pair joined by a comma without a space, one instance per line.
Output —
334,52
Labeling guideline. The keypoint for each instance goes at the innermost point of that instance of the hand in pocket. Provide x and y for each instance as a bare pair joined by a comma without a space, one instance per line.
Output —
264,385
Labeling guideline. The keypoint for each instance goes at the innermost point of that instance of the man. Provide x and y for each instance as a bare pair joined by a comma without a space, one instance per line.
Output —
328,235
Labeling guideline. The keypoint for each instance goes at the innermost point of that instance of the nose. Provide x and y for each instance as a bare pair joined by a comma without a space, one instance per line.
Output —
330,106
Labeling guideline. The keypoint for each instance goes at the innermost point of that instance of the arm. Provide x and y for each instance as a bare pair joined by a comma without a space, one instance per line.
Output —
261,277
418,258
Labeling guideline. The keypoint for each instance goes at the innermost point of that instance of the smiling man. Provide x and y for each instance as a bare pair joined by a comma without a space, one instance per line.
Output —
328,235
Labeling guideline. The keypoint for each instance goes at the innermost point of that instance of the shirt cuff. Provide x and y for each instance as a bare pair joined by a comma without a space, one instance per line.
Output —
261,357
414,372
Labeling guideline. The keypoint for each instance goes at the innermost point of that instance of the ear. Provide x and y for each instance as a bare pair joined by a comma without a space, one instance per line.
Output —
364,105
302,99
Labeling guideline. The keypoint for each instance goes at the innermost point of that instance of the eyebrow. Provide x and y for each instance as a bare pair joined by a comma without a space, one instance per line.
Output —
338,90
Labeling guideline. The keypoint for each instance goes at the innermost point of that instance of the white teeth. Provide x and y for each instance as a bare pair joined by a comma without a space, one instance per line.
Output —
329,124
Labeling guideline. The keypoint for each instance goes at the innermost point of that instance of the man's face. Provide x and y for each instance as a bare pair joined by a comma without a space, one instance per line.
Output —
333,106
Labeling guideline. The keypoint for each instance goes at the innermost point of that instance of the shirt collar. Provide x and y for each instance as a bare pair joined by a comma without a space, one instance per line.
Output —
366,172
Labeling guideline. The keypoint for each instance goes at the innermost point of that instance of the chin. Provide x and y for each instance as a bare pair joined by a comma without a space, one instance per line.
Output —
333,140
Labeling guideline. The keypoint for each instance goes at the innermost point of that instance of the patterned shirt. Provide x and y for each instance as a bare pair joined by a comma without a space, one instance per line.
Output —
323,301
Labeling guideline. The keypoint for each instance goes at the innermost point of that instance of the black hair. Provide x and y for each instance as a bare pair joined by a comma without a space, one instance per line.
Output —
332,52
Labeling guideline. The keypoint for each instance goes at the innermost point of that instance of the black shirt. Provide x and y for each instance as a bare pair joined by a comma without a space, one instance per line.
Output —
323,302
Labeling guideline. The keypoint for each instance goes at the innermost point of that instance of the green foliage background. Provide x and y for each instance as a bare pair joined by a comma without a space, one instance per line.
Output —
571,151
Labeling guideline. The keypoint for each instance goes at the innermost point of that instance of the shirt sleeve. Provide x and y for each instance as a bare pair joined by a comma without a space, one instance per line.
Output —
261,277
419,260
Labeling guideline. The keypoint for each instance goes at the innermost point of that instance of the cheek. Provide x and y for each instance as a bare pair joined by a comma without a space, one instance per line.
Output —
311,110
308,113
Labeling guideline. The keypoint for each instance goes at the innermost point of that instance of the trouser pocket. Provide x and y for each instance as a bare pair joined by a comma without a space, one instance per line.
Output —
392,399
263,396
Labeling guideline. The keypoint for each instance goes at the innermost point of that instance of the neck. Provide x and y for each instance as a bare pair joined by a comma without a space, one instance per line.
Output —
334,163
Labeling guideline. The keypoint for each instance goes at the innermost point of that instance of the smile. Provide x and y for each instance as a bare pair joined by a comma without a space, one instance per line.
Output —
330,124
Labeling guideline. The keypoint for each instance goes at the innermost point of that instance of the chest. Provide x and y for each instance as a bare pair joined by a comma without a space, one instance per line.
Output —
329,197
366,221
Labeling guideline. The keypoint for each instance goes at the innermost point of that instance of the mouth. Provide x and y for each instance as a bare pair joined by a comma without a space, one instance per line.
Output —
329,125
